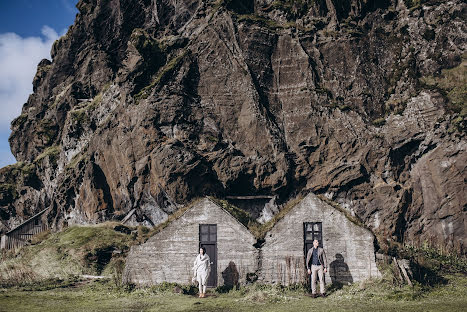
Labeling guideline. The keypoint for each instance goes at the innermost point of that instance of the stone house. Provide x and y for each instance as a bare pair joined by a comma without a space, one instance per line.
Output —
349,247
168,255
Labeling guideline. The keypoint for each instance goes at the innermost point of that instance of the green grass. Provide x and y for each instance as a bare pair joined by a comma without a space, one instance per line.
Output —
373,295
18,173
45,277
293,8
378,122
434,258
145,233
260,230
263,21
452,83
52,152
162,75
242,216
257,229
75,161
410,4
80,115
60,96
75,251
14,177
48,130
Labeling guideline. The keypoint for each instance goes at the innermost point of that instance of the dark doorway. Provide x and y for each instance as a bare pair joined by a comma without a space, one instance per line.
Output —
312,231
208,240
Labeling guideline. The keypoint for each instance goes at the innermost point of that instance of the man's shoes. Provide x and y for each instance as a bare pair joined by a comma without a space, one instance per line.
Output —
323,295
313,295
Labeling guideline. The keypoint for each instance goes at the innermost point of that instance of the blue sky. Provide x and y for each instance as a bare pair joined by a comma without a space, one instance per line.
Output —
27,30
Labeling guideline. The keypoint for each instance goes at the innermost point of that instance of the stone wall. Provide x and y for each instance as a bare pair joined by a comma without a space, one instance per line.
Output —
349,247
168,256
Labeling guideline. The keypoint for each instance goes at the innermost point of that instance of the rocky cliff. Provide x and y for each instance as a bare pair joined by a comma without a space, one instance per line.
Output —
149,103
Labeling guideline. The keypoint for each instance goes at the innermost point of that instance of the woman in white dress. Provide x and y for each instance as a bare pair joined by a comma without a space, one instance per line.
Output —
201,269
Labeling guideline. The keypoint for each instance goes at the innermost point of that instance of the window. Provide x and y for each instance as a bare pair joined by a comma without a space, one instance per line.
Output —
207,233
312,231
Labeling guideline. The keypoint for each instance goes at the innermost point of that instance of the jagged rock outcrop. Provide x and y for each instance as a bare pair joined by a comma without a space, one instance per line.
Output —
150,103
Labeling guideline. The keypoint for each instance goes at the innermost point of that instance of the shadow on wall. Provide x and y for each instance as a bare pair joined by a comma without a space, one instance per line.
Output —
231,277
339,271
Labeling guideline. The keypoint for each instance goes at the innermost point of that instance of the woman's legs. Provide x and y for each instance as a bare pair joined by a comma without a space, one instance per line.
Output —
202,289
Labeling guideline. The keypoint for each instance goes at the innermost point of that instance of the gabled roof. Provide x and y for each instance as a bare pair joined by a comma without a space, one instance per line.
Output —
258,230
239,215
27,221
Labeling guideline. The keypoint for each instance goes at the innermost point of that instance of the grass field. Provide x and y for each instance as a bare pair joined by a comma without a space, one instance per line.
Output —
49,275
374,295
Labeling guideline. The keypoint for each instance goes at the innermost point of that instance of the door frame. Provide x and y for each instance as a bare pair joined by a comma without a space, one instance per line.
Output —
308,242
213,274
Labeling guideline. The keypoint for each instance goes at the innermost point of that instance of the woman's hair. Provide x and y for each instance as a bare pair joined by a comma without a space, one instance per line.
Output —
204,250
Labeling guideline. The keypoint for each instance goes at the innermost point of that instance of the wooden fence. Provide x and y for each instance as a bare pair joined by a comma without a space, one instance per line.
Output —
22,234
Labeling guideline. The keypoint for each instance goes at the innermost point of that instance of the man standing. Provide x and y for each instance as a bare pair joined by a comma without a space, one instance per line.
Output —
317,257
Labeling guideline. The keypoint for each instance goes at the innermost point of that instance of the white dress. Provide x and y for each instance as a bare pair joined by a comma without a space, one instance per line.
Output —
202,268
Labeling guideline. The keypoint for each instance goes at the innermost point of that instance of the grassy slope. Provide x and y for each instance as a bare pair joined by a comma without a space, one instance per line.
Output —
74,251
369,296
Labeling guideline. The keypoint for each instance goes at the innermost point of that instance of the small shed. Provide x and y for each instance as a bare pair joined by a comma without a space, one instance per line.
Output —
23,233
168,255
349,247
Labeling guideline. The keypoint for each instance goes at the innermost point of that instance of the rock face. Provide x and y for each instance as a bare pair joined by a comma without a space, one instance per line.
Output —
147,104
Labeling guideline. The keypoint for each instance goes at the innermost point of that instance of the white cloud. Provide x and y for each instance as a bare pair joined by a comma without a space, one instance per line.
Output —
68,6
18,63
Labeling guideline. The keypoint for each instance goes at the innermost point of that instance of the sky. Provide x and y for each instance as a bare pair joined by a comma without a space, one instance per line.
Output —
28,29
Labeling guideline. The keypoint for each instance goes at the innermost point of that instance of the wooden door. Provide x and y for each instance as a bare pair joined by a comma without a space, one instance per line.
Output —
312,231
208,240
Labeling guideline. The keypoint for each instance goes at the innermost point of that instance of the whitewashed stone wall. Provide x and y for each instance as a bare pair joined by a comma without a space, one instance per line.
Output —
283,252
169,255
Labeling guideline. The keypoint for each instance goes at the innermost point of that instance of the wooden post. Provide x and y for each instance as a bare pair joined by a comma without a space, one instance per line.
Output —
402,267
128,216
396,267
3,242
